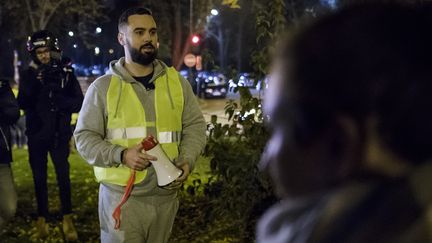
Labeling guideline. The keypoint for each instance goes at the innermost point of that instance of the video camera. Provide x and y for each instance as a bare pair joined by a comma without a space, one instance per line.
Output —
51,73
54,77
55,74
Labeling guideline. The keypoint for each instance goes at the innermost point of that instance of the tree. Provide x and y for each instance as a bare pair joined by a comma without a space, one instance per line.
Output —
180,19
238,185
20,18
177,21
34,15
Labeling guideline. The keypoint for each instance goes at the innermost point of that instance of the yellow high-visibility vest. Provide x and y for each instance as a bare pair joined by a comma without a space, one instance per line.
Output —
127,124
15,92
74,118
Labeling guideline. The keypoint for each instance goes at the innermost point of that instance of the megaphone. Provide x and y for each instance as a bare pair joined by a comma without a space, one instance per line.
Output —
166,172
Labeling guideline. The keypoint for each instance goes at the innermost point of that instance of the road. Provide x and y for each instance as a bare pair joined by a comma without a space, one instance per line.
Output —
216,107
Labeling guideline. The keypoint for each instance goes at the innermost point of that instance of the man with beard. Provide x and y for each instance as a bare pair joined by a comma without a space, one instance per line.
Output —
140,96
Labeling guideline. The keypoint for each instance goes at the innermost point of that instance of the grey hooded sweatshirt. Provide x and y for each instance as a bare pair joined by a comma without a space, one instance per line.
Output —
90,132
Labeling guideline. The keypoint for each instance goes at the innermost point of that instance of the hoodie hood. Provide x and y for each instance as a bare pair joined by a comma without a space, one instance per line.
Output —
116,67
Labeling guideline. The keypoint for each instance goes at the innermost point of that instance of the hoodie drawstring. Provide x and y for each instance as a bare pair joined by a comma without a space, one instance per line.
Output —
118,97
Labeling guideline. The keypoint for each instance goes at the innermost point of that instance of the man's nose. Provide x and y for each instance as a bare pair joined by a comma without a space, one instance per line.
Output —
147,37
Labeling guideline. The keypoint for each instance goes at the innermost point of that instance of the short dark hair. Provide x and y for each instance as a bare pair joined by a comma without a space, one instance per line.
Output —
123,19
371,60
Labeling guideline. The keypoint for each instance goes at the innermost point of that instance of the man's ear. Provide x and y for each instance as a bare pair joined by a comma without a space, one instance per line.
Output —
121,38
349,141
379,158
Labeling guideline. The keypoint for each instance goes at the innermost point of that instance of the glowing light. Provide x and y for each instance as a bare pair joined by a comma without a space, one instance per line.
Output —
195,39
214,12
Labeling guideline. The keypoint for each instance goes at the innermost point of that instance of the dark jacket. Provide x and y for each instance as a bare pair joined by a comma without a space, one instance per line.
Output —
48,96
379,210
9,114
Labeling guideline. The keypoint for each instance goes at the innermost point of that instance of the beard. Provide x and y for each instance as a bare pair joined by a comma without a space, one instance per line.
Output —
142,57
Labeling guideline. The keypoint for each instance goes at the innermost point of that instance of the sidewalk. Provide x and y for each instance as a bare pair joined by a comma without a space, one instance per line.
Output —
214,107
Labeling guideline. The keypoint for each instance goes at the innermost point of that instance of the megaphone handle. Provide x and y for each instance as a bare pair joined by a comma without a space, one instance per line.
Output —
117,211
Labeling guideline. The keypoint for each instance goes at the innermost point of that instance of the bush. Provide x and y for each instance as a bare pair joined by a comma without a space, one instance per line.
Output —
237,190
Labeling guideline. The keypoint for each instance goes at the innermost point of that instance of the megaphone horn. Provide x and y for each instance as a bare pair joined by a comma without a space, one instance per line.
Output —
166,172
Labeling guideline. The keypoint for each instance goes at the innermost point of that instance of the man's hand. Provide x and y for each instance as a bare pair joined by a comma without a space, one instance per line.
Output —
136,158
183,165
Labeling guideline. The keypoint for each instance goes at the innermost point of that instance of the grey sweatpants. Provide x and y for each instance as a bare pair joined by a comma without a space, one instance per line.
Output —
143,219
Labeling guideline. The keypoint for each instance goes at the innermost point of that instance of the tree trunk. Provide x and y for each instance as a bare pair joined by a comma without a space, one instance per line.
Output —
186,49
221,48
239,43
177,36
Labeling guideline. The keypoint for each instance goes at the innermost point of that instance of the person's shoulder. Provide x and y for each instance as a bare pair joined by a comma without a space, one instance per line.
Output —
28,70
160,65
103,80
285,221
101,83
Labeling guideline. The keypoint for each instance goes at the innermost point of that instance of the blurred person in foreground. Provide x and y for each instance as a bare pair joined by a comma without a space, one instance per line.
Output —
351,147
49,93
140,96
9,114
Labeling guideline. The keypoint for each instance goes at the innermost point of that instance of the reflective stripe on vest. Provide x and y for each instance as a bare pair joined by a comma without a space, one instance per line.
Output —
140,132
127,123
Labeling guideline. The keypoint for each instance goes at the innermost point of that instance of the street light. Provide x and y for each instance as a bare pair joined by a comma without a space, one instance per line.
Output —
71,33
75,45
98,30
97,50
195,39
214,12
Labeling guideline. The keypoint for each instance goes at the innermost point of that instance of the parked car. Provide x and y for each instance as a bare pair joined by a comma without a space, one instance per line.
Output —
211,85
244,80
247,80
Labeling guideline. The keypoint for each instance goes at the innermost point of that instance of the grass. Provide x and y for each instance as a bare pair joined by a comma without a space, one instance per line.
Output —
84,200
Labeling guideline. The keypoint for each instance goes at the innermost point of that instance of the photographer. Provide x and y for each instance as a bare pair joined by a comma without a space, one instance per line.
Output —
49,92
9,114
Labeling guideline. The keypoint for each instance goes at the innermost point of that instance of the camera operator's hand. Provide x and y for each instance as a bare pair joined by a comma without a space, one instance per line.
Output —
51,77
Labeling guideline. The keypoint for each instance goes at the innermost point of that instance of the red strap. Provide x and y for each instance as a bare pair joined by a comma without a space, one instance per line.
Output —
128,189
